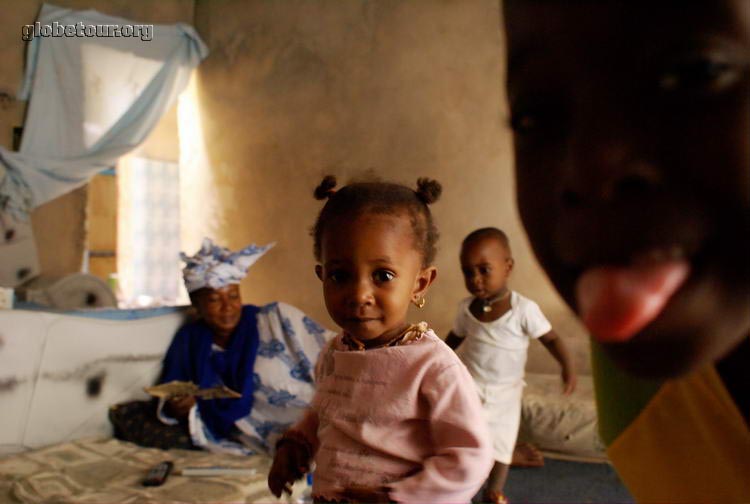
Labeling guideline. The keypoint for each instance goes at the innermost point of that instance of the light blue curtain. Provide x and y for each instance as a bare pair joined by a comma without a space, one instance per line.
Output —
93,99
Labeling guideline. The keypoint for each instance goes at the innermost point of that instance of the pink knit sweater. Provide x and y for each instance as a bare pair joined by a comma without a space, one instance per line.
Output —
406,417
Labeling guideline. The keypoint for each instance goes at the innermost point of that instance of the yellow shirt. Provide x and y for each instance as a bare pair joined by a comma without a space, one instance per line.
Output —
689,443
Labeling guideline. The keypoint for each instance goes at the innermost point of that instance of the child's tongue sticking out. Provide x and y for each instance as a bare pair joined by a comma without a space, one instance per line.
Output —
617,302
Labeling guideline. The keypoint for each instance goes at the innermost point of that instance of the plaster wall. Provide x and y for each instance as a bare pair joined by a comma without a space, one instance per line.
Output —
294,90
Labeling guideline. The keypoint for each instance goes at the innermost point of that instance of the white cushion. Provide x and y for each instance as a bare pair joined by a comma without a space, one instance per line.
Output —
558,423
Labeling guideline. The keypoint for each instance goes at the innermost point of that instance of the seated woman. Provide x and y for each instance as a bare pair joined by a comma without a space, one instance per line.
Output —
264,353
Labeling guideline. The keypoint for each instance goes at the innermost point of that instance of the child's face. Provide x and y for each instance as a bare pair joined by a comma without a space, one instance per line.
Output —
486,266
371,271
632,140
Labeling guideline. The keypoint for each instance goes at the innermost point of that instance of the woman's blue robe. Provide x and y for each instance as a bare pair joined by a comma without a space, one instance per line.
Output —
191,358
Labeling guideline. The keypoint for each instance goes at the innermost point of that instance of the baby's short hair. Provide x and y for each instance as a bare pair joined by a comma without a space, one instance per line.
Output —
491,233
379,197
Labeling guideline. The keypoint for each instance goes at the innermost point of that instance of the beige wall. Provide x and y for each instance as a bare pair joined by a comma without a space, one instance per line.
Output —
293,90
60,225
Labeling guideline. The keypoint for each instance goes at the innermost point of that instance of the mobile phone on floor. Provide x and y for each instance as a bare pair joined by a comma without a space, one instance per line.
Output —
157,475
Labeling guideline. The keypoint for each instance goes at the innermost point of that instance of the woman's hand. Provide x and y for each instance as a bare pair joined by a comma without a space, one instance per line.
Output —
289,465
179,406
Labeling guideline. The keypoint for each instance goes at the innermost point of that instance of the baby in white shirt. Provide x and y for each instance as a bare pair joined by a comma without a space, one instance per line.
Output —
491,334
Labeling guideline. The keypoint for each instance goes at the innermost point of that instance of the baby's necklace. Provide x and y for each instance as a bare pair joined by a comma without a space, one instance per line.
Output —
487,303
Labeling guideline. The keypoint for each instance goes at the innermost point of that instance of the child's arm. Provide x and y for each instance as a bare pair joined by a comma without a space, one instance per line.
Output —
294,453
555,345
454,340
296,449
459,327
460,444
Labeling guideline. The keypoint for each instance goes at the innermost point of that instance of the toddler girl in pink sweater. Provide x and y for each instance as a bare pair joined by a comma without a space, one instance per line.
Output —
395,417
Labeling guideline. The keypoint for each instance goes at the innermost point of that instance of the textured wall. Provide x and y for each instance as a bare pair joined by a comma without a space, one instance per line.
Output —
296,89
59,226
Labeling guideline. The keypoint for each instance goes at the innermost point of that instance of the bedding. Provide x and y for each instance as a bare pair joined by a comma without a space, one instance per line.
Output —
105,470
560,425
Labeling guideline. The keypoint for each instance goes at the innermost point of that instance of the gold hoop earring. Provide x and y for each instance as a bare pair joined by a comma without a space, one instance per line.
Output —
420,302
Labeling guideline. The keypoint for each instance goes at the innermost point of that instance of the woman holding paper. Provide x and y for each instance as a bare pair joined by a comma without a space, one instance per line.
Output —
262,353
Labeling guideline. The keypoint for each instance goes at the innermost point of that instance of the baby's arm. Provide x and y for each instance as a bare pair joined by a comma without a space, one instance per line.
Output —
555,345
454,340
461,448
294,453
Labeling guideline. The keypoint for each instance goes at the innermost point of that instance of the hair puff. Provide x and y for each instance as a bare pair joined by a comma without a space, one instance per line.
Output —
325,189
428,190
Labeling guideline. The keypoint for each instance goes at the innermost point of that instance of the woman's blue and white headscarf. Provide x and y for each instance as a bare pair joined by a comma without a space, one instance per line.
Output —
216,267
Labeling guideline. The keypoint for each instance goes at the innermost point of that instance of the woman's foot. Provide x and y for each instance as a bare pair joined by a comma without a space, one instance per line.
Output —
527,455
494,497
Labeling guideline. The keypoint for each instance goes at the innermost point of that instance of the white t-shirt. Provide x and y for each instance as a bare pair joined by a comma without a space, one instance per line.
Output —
495,352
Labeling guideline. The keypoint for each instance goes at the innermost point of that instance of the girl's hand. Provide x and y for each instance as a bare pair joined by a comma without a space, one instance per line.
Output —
179,406
367,495
289,465
570,380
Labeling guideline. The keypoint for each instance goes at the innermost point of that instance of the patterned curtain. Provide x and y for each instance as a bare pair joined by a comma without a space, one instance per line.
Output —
149,233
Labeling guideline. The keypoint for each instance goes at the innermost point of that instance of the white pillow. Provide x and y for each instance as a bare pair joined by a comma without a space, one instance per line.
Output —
557,423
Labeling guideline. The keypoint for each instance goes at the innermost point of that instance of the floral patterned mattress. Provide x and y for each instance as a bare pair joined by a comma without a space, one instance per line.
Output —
107,470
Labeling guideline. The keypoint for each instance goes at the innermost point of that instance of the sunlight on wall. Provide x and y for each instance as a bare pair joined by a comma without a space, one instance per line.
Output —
199,203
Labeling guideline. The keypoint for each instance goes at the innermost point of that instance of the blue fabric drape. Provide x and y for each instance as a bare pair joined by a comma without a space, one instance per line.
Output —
190,358
93,99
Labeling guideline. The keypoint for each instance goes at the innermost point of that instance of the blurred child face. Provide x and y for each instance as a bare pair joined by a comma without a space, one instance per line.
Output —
371,271
632,140
221,308
486,265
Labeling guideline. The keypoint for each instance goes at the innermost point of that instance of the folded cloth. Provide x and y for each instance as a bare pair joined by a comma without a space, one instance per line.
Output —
216,267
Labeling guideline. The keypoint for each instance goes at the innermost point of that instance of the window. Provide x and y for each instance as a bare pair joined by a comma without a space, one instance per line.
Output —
148,258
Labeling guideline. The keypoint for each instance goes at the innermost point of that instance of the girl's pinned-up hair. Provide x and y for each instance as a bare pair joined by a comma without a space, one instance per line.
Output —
357,198
326,188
